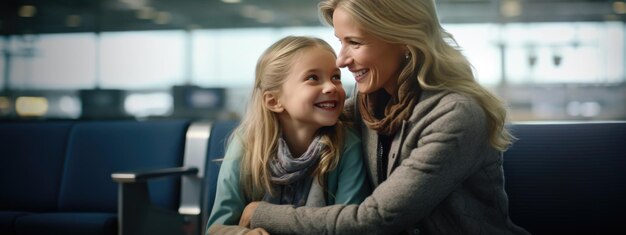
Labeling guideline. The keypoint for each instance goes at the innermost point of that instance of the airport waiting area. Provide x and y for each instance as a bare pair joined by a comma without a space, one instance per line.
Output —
115,115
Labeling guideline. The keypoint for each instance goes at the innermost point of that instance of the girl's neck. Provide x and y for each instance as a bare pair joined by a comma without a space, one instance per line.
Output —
298,139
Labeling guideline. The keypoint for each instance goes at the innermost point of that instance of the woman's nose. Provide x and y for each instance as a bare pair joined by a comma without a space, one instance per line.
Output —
343,59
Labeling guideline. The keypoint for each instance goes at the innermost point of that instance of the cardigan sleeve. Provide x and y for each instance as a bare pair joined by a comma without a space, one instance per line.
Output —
445,153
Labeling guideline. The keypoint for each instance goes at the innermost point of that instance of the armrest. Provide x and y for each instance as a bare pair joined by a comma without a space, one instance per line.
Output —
136,212
133,177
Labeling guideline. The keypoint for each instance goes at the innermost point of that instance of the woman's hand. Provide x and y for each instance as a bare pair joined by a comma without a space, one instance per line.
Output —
257,231
246,216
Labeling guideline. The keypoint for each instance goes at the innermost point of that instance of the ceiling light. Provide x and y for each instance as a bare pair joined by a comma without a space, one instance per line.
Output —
145,13
162,17
231,1
511,8
619,7
72,20
249,11
611,17
27,11
265,16
135,4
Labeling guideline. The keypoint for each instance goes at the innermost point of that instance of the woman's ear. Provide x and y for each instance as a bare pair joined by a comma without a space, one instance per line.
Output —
271,102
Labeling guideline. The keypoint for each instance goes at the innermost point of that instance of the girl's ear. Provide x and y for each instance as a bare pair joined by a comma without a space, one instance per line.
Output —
272,103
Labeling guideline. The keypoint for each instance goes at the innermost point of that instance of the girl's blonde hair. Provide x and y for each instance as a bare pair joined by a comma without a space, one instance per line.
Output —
260,129
436,61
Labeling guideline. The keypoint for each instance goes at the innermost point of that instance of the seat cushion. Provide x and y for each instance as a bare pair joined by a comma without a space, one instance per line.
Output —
7,221
67,224
97,149
31,164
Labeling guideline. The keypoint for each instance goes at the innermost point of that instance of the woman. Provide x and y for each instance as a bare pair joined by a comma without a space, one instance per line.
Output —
433,137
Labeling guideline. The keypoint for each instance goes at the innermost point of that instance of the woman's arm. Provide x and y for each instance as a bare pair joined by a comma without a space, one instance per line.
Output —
446,152
220,229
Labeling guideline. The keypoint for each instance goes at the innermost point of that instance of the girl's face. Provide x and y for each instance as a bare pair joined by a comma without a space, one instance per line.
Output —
312,95
374,63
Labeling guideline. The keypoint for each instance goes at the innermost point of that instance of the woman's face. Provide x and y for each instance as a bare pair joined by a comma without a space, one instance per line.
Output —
374,63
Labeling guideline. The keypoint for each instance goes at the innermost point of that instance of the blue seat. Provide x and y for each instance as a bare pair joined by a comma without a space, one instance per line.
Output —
68,223
567,178
64,169
31,167
205,143
97,149
220,134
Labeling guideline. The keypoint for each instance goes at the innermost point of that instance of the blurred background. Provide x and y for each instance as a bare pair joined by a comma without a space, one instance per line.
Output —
150,59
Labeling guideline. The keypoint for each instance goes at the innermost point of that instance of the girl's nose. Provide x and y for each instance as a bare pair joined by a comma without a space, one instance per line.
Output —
329,87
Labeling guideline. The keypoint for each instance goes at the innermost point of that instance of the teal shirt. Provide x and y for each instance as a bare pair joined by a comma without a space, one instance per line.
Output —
346,184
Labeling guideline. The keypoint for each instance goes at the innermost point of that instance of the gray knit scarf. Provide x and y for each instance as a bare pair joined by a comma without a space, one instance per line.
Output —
291,176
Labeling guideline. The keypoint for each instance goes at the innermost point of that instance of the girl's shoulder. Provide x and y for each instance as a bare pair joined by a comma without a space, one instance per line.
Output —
352,135
352,140
234,148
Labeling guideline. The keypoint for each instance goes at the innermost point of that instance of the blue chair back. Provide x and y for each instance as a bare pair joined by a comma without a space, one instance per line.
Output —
31,164
220,134
97,149
567,178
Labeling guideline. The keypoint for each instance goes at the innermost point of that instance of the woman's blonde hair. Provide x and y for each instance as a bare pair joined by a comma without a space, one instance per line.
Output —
260,129
435,57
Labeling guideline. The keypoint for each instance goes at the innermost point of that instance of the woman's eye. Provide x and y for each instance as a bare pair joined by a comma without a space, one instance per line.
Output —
354,44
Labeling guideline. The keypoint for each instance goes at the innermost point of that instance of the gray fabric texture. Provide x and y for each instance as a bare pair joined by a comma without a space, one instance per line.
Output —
291,175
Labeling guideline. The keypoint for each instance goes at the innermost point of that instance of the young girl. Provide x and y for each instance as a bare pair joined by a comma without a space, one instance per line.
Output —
291,147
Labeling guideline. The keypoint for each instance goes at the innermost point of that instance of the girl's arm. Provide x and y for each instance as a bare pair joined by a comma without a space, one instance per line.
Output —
352,186
229,198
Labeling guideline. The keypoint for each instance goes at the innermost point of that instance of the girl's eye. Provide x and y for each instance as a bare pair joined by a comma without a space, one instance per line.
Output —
337,77
311,78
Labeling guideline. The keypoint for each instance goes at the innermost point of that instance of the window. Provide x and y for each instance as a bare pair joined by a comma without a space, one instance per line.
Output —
53,61
142,60
564,52
478,42
227,57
